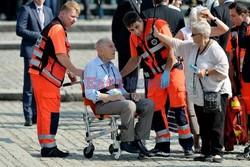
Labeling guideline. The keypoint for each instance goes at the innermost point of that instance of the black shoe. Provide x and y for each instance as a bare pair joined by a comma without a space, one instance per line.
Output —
34,118
247,150
204,158
245,155
28,122
53,152
141,147
129,147
158,152
188,152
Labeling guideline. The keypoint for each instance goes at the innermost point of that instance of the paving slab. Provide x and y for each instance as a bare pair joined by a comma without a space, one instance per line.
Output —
16,140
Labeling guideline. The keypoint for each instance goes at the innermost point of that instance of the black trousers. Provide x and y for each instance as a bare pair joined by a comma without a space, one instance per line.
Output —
212,128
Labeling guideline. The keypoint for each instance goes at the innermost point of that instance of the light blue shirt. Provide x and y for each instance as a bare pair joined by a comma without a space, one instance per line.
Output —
98,75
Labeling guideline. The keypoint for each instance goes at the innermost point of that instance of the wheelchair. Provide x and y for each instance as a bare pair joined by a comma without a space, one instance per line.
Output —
89,117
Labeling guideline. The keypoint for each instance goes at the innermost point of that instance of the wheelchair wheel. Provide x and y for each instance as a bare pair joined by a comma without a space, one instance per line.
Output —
111,149
89,151
115,152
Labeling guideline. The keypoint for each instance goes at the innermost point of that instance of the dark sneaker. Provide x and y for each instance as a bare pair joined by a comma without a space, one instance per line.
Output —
157,152
245,155
188,153
204,158
53,152
218,158
129,147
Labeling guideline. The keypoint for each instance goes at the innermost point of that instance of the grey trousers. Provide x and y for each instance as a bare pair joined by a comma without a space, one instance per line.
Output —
127,109
195,128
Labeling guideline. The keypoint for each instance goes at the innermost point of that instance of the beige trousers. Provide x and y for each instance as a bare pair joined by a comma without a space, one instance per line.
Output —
127,109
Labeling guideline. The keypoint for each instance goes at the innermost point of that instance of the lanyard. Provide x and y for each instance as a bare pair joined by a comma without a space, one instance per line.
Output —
107,72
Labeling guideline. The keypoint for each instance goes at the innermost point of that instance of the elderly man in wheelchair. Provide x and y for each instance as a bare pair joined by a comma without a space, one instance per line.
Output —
103,85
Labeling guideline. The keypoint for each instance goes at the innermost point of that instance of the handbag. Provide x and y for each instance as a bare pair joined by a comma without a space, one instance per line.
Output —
212,102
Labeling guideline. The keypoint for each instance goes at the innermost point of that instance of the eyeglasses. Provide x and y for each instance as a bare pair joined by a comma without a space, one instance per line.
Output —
195,34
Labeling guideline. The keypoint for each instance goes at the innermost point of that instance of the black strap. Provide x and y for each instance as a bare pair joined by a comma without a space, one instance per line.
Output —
104,90
197,58
196,66
146,48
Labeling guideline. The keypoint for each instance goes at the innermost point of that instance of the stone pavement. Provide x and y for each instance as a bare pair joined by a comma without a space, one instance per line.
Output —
19,144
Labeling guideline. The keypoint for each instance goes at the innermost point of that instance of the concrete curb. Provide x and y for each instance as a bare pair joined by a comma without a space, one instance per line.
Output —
87,26
17,96
14,45
66,96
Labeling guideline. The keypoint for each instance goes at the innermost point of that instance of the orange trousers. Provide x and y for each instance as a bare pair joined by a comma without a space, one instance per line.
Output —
176,91
48,102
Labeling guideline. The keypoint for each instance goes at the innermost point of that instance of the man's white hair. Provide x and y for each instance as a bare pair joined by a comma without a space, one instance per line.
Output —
100,43
202,27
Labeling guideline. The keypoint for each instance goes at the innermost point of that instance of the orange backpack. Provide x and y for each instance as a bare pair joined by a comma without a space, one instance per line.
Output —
235,131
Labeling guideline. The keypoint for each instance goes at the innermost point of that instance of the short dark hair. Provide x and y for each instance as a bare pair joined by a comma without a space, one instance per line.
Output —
158,1
130,18
239,7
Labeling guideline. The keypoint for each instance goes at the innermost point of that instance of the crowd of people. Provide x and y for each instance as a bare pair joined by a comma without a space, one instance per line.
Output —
182,64
9,9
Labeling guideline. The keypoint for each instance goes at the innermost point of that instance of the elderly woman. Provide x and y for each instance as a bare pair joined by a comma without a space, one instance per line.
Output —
212,73
198,13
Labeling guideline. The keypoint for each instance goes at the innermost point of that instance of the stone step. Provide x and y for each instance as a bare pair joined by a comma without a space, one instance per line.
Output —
12,45
78,40
82,25
15,155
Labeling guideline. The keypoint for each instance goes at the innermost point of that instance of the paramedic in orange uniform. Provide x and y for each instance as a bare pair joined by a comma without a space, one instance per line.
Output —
240,85
238,47
165,79
48,65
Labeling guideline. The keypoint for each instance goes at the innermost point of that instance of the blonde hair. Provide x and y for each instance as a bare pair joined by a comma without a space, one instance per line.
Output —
71,5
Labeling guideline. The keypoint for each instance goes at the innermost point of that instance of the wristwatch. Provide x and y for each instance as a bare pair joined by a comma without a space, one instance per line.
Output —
206,72
214,20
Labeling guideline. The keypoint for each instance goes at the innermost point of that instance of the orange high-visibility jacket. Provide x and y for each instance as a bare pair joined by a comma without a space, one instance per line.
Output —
153,52
44,60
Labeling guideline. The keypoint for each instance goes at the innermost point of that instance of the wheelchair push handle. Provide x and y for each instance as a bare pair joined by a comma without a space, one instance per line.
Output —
69,83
